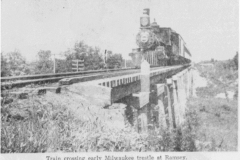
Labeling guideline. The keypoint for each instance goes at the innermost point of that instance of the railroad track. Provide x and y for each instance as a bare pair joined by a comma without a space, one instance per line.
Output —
112,78
21,81
41,76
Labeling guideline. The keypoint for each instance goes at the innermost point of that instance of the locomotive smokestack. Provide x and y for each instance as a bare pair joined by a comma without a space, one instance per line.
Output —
146,11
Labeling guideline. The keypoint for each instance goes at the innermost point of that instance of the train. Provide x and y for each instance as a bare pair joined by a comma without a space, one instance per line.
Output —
159,46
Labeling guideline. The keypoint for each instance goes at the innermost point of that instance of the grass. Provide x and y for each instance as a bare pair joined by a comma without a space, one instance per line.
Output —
69,123
217,129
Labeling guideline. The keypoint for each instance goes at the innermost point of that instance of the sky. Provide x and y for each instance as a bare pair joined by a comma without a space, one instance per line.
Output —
210,28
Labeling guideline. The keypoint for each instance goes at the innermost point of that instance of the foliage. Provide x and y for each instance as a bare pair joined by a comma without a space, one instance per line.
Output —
217,123
44,64
222,76
235,59
62,66
129,63
90,55
93,60
5,70
217,129
13,64
114,61
56,127
81,51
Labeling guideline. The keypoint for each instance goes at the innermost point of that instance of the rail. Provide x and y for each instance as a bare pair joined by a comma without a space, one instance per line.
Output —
27,77
78,77
51,78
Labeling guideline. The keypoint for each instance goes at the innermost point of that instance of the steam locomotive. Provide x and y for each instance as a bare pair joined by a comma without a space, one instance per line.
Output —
159,46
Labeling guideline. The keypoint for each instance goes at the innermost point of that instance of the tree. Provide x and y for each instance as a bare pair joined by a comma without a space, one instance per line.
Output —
61,66
114,61
5,71
235,59
44,64
16,64
93,60
81,51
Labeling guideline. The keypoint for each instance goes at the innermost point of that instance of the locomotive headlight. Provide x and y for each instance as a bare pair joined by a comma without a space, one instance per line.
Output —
145,21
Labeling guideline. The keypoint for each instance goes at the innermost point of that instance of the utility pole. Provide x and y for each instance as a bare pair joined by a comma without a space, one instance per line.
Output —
54,64
105,56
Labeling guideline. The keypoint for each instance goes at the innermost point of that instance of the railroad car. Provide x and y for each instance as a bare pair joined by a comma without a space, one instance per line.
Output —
160,46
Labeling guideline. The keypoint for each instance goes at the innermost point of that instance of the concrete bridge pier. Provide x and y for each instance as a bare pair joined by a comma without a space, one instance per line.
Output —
138,111
182,96
171,107
186,82
139,102
176,100
168,107
190,82
181,88
161,105
160,100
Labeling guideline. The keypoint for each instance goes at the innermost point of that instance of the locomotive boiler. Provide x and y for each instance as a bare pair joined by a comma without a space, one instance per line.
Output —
160,46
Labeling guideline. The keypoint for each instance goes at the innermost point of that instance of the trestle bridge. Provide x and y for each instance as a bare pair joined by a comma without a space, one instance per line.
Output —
154,95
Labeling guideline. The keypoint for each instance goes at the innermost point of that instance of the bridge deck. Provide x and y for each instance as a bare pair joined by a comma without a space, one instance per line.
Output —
115,88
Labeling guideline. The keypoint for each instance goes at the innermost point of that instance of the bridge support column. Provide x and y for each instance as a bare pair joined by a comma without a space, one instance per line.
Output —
184,81
176,100
178,91
138,111
185,91
140,100
189,82
159,102
132,113
191,73
164,107
182,95
180,102
171,111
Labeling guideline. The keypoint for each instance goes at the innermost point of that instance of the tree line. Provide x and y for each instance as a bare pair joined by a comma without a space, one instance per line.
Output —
14,64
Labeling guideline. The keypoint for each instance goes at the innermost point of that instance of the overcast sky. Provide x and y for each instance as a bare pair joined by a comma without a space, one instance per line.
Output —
209,27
